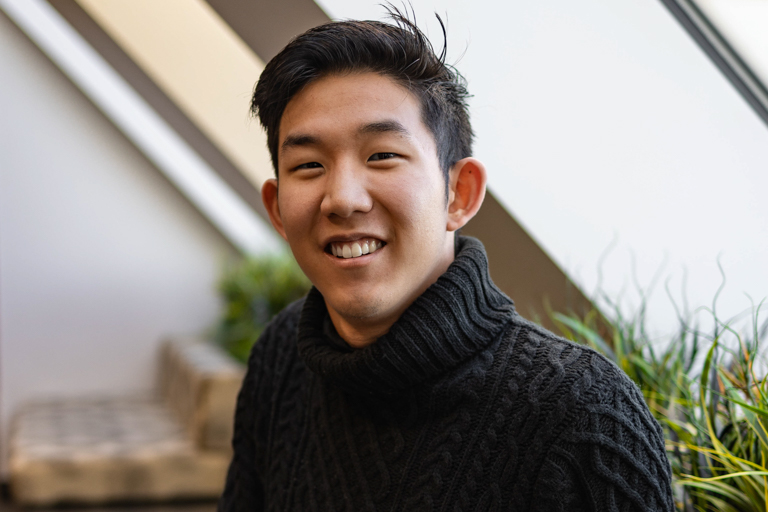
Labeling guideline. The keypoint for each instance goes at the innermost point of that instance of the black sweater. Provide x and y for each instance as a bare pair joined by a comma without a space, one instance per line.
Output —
462,406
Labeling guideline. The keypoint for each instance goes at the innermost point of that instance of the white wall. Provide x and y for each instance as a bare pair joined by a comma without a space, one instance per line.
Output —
100,256
602,119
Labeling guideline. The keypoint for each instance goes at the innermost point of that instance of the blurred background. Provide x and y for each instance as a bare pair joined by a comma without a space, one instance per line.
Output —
626,143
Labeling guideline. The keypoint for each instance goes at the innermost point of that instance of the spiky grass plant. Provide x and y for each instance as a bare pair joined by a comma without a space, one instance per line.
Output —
730,445
712,405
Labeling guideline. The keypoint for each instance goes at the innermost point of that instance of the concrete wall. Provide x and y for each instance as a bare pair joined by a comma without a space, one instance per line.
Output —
603,120
100,256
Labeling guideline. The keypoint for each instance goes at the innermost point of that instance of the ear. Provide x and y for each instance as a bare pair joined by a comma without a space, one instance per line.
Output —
466,193
269,198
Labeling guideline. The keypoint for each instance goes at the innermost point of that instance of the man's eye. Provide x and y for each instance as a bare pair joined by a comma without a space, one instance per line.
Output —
381,156
308,165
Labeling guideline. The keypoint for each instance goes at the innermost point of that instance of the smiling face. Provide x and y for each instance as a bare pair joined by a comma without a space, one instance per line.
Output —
361,199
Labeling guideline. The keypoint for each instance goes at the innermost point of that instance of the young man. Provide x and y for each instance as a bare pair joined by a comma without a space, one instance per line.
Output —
405,380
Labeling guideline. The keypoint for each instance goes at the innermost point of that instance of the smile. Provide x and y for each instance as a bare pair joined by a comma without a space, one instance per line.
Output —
356,248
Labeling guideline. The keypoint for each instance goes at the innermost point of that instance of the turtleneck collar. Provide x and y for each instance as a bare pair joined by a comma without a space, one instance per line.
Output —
461,313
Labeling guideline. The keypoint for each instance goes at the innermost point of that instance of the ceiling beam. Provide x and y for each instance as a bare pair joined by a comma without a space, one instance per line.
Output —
141,124
92,32
728,61
268,25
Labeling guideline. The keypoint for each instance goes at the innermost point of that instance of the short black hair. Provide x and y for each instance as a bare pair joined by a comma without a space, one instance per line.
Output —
399,50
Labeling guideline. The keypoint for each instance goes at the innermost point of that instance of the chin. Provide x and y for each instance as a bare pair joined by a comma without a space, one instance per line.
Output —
358,308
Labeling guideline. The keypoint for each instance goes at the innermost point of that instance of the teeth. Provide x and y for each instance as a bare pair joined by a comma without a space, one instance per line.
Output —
355,249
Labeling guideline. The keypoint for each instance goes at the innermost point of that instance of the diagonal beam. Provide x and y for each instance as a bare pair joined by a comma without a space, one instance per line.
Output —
709,39
160,102
267,25
140,124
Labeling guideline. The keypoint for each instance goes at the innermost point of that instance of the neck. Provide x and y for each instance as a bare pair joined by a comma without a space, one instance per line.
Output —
359,333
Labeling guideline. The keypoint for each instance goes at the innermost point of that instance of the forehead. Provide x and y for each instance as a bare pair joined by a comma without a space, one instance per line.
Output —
343,103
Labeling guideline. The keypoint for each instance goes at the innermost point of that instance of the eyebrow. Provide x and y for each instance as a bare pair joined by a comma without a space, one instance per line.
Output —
389,126
292,141
385,127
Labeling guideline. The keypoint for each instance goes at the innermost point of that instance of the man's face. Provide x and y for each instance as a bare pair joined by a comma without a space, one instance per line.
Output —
358,172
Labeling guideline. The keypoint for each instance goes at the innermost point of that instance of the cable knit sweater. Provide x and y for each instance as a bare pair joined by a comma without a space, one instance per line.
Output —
462,406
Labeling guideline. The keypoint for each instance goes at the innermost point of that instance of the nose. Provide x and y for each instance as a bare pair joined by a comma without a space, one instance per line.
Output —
346,192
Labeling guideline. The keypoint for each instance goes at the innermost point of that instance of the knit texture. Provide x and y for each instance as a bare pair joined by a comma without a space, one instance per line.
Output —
462,406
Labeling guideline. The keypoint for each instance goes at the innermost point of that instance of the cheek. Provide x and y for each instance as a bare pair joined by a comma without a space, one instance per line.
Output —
418,204
296,213
297,208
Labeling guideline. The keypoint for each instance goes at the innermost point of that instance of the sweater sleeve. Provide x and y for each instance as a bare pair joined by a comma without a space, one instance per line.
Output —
610,457
244,487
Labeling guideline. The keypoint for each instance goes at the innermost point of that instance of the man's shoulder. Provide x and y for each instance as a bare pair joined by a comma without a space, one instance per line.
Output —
579,395
557,366
593,419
